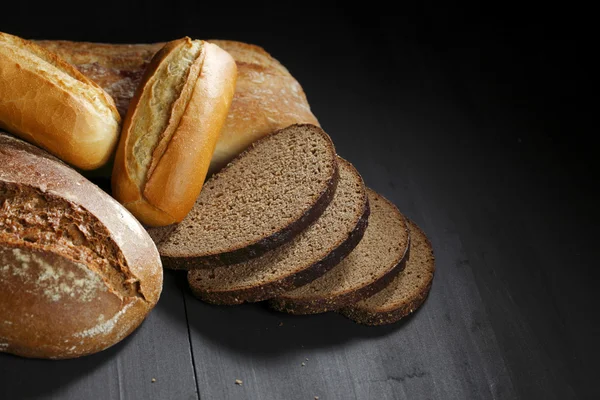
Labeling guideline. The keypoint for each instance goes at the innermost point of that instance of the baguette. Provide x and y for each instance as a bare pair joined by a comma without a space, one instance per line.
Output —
171,129
78,273
267,97
46,101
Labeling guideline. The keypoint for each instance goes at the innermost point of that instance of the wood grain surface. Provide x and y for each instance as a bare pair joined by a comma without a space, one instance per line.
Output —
460,138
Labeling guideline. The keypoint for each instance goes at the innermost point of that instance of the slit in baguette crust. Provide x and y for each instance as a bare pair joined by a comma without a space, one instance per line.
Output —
32,219
60,73
163,101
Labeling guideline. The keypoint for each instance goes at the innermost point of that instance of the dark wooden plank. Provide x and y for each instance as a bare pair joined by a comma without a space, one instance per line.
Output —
467,128
159,349
497,324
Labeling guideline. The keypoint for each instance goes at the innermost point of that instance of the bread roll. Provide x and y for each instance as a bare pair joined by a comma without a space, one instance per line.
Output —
267,97
46,101
171,129
78,273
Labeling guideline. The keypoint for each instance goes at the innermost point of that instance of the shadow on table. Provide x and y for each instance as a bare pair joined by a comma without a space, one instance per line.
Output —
256,329
33,378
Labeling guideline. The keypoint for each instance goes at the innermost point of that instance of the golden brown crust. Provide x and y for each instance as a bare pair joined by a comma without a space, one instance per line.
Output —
117,68
267,97
179,164
177,180
41,284
48,102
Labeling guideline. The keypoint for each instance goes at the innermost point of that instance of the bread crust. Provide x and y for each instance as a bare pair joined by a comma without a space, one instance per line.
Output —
55,306
267,97
321,305
316,305
256,249
268,291
39,103
179,166
394,312
375,318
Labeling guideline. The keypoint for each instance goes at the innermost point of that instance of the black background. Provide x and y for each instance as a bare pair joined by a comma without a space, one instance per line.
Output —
477,124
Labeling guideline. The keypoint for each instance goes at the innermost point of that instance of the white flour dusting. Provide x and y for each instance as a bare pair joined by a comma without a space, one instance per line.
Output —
105,327
53,281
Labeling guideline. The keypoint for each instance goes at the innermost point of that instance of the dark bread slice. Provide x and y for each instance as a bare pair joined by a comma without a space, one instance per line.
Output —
309,255
262,199
373,264
408,290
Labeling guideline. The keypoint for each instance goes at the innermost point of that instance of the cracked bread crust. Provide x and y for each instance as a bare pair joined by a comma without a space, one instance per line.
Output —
78,273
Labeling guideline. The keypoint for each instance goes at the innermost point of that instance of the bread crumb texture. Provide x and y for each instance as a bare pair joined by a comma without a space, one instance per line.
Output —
270,186
410,283
406,292
380,250
309,247
34,219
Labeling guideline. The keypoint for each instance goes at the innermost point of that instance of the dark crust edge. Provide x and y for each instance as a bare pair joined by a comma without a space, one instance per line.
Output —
266,244
325,304
322,305
365,317
374,318
270,290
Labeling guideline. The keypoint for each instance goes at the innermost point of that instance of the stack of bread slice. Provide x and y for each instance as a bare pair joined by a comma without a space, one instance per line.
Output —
290,222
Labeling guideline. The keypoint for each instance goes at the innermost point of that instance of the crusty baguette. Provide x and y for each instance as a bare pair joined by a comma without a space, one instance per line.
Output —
267,97
78,272
171,129
46,101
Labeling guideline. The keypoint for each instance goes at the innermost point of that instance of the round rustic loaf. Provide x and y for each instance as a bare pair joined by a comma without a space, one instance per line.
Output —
78,273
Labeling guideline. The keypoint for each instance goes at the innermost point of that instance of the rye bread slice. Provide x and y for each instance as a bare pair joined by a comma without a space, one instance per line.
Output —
407,291
309,255
371,266
260,200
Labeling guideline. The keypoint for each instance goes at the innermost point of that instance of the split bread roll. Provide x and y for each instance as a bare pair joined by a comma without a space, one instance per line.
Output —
46,101
78,273
267,97
171,130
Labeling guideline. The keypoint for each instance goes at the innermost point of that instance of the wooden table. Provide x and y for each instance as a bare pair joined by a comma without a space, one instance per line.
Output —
454,130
